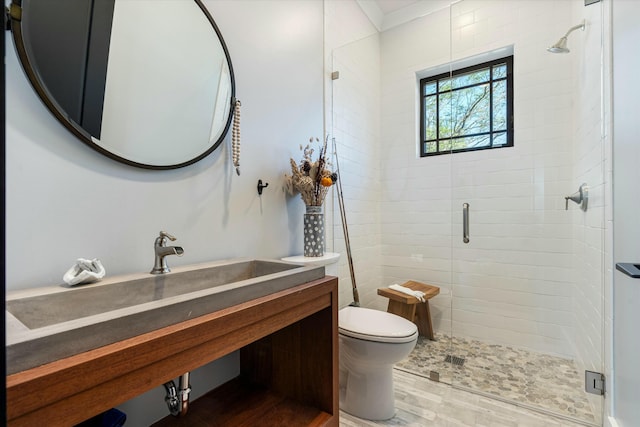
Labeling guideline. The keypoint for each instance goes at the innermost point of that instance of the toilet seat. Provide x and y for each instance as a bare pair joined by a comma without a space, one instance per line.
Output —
375,325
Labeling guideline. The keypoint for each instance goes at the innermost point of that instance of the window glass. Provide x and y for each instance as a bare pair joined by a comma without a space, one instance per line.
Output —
431,147
429,89
499,71
430,118
470,110
472,78
500,105
444,84
500,139
445,120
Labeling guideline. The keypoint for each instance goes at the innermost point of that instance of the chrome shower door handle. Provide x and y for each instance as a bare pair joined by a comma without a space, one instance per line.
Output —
465,222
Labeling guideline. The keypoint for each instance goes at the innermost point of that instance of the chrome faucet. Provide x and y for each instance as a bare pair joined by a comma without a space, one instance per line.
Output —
162,250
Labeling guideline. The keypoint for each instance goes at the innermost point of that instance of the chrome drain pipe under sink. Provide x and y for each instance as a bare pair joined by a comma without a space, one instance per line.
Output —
178,398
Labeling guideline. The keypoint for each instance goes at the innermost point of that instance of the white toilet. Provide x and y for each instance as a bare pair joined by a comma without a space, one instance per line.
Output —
371,341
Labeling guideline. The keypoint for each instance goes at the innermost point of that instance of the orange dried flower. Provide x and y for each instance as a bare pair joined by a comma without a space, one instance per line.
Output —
311,178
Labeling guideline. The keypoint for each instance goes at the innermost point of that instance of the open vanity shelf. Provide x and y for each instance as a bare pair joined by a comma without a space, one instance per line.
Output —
288,355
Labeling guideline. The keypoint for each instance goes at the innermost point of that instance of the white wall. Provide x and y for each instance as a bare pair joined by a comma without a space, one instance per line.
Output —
65,200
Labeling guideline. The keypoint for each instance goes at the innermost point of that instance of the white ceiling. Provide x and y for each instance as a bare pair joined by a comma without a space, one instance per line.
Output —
386,14
388,6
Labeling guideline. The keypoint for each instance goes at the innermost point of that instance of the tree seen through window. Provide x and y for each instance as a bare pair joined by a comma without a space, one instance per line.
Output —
468,109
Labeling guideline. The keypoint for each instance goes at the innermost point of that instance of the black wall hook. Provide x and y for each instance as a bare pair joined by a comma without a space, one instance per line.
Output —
260,186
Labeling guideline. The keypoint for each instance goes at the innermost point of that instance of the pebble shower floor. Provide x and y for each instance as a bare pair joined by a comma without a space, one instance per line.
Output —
547,382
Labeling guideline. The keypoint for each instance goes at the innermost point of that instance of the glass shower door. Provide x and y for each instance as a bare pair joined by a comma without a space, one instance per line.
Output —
527,276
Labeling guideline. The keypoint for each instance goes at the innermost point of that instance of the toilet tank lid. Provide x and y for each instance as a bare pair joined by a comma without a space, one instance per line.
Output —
374,323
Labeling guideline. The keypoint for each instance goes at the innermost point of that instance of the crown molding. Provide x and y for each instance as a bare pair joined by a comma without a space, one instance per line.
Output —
408,13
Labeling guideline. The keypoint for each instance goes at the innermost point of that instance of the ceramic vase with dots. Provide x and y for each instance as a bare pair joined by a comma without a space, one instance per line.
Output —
314,232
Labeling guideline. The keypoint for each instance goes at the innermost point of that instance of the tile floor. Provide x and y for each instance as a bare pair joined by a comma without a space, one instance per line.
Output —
422,402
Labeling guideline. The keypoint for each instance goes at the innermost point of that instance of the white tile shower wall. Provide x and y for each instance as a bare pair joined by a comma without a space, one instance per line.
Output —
356,129
415,201
514,282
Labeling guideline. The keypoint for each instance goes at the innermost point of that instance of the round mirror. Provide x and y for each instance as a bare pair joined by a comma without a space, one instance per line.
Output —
146,83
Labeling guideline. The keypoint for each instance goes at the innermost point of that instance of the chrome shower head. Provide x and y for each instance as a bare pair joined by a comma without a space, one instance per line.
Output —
561,45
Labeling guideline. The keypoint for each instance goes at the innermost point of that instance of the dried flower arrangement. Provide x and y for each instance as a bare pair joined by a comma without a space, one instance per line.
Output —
312,179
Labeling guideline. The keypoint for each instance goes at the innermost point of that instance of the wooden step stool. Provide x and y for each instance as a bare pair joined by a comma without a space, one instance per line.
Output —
410,307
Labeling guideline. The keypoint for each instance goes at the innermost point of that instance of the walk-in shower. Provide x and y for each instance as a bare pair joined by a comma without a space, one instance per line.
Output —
520,314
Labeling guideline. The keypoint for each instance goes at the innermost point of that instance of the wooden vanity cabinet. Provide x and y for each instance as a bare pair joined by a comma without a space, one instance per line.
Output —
288,344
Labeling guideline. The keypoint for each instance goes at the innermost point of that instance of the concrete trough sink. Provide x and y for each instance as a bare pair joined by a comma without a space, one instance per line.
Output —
50,323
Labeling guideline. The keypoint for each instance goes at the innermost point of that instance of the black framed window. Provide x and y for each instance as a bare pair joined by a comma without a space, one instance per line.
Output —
468,109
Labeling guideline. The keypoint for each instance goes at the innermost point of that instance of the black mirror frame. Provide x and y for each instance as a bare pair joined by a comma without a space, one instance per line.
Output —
15,22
